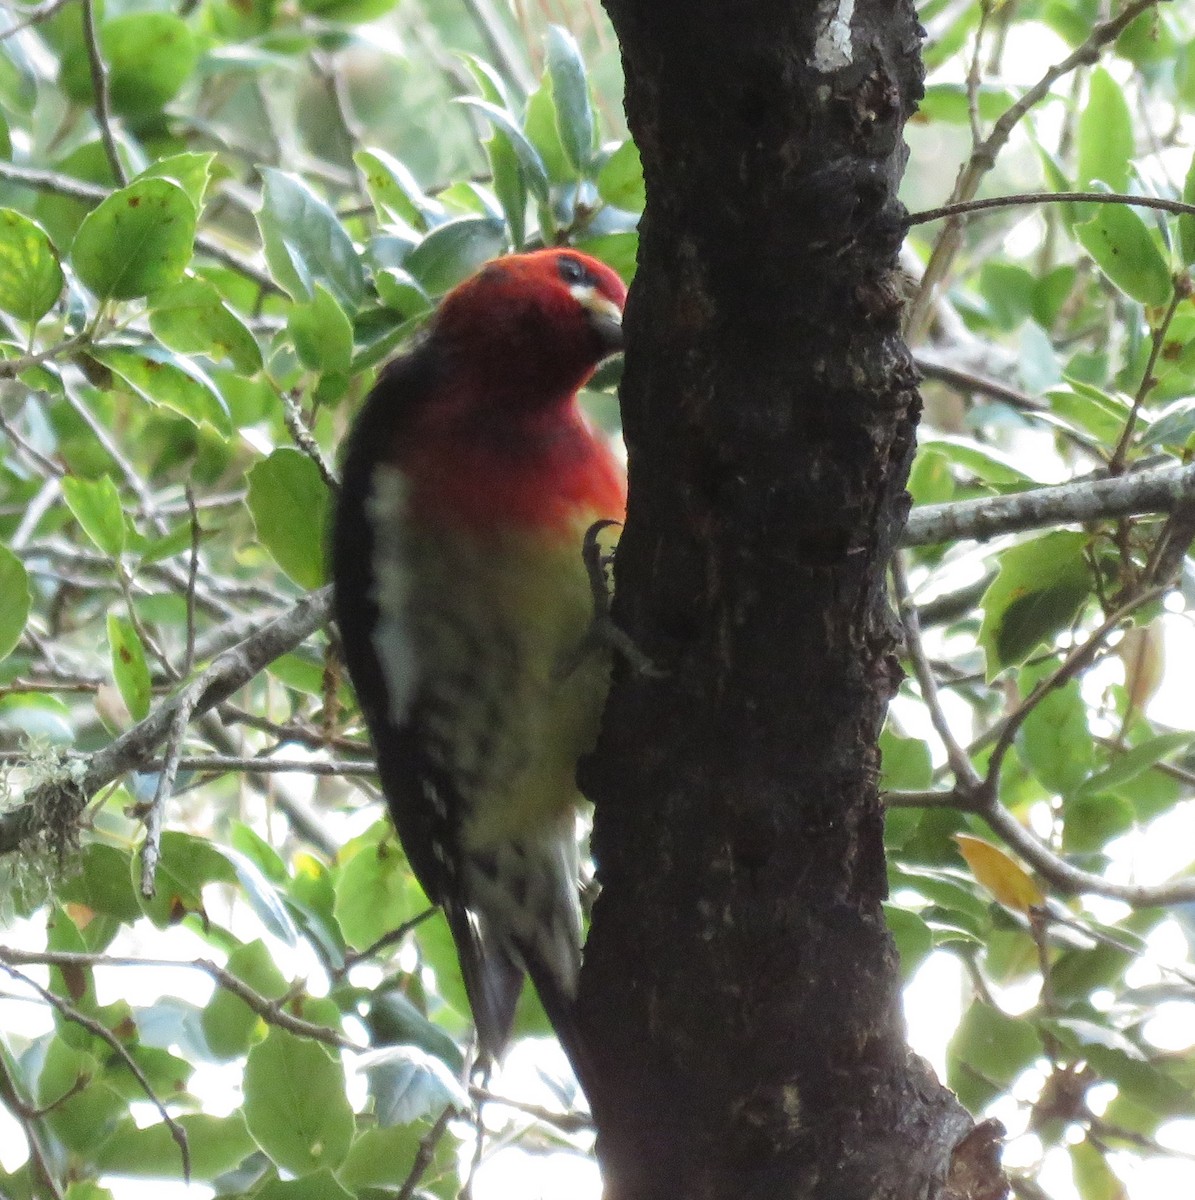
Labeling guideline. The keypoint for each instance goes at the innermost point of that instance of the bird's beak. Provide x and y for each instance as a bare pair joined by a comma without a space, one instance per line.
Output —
605,317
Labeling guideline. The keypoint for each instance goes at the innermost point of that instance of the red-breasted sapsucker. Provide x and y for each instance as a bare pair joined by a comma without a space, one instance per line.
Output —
470,481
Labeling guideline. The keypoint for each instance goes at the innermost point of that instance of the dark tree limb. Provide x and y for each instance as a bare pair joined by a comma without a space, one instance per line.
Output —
740,991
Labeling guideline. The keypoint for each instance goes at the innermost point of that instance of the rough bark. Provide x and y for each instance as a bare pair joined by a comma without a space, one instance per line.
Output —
740,986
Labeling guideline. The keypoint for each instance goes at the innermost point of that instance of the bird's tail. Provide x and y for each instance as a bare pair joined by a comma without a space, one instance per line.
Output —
493,981
560,1004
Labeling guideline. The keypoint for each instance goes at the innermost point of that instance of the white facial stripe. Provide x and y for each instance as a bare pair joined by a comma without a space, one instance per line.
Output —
589,298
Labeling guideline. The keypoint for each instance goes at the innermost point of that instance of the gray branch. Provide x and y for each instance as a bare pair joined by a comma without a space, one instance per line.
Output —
61,803
1156,490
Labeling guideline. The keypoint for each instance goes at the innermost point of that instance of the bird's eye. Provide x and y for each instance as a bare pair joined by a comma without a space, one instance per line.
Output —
571,271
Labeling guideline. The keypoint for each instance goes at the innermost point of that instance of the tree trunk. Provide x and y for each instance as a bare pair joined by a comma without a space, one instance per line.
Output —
740,986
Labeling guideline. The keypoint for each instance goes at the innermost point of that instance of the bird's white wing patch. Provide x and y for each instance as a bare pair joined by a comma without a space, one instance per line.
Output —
391,592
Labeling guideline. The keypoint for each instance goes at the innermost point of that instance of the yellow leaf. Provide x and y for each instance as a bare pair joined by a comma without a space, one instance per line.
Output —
1009,882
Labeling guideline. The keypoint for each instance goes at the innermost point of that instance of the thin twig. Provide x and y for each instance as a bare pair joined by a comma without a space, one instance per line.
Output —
96,1029
151,848
10,368
570,1122
1022,199
983,157
270,1011
1148,381
424,1155
960,762
353,957
1075,661
192,573
99,86
28,1116
110,447
292,415
33,16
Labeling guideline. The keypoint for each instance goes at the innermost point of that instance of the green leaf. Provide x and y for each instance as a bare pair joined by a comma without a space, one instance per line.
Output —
407,1084
349,11
1127,766
398,290
620,181
392,1019
84,1189
1055,742
86,1120
103,883
305,244
150,55
395,194
1091,821
1094,1179
229,1024
930,480
535,174
192,318
987,1052
1175,426
216,1144
1089,409
262,895
380,1157
129,667
191,171
453,251
1041,586
949,102
14,600
617,250
508,185
170,382
906,763
95,504
375,891
289,502
1123,248
1105,135
30,275
187,864
139,239
322,334
323,1185
570,90
984,462
295,1104
1186,223
912,935
540,125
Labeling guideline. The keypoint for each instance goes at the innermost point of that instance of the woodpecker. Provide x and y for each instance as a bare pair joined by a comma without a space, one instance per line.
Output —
465,608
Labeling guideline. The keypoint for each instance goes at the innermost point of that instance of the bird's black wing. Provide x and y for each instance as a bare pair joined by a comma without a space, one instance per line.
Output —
420,793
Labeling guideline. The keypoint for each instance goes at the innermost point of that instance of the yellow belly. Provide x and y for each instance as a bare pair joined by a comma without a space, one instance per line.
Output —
510,694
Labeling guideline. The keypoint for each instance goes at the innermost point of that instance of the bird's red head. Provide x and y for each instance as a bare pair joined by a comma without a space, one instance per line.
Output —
533,326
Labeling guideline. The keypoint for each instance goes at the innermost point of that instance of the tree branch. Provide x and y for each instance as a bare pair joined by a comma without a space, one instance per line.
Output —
54,806
1154,490
270,1011
1023,199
